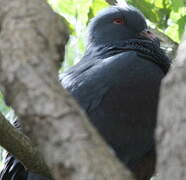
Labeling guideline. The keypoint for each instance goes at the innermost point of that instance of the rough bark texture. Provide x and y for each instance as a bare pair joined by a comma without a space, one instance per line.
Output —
171,130
17,143
31,43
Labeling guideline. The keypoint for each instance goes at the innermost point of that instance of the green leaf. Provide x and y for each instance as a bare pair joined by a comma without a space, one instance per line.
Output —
72,10
98,5
4,109
176,4
172,32
159,3
148,8
181,24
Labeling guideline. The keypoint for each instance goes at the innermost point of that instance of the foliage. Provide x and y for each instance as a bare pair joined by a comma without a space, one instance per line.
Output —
168,15
77,13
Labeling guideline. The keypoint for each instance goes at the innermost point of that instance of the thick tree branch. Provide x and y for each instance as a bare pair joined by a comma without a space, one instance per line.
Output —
171,130
17,143
30,38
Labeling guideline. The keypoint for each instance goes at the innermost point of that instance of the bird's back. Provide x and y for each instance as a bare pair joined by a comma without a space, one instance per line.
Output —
120,95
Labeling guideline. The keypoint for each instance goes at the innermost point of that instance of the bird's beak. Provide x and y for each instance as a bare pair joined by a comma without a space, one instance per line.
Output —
149,35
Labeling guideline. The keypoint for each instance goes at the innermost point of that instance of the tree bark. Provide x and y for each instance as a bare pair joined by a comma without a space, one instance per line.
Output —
171,130
15,142
32,40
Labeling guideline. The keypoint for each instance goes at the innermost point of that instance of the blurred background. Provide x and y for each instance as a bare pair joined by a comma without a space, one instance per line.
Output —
166,17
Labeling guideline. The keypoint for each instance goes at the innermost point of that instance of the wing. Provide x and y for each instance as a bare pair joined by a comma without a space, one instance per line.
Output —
14,170
120,96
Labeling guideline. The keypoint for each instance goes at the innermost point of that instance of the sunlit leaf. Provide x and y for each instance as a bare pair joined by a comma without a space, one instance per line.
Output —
173,32
181,24
176,4
159,3
97,5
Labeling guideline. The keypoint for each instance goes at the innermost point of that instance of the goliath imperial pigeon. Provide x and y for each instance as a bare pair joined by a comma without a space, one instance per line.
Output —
117,84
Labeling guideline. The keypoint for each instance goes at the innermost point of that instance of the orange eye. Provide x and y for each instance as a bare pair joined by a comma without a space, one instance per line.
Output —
118,21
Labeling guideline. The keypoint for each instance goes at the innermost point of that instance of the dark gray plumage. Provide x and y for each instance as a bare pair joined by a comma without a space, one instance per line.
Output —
117,83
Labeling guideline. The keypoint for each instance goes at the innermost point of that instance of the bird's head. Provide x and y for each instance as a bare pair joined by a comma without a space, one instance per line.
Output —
116,24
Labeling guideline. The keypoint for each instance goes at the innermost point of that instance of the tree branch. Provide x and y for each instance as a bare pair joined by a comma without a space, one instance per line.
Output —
29,46
15,142
171,121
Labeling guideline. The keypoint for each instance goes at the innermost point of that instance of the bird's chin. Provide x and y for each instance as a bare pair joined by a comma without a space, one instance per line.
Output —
148,35
155,40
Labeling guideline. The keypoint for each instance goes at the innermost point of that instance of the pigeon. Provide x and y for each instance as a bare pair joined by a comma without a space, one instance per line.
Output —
117,84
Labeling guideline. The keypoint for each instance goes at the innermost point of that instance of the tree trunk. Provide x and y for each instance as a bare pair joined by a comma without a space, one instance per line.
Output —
32,40
171,130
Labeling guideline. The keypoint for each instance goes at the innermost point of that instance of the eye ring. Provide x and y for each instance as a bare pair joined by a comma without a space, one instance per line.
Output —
118,21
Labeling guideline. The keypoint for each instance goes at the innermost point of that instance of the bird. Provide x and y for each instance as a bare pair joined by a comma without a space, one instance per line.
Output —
117,84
